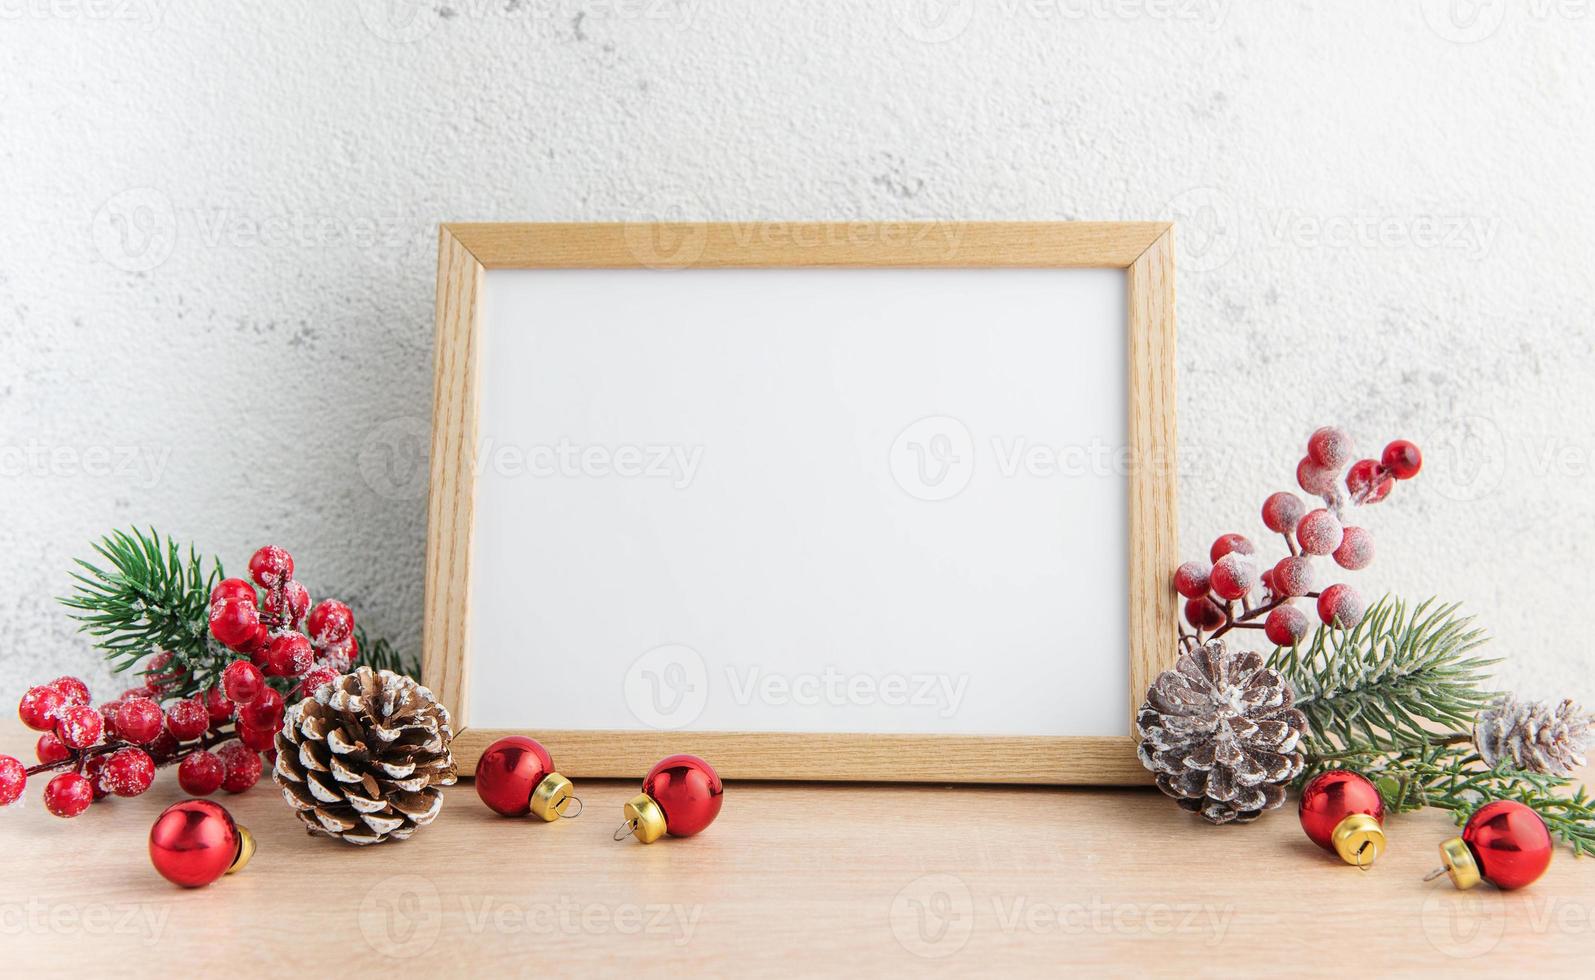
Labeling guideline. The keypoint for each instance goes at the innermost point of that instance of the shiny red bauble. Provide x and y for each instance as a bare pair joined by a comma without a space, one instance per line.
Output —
1509,842
508,771
196,841
1343,813
687,792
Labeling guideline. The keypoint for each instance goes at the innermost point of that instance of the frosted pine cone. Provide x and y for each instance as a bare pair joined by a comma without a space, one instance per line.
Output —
1221,735
363,760
1533,735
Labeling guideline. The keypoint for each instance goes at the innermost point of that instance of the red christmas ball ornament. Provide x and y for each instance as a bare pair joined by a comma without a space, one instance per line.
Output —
196,841
1342,812
680,797
516,776
1504,843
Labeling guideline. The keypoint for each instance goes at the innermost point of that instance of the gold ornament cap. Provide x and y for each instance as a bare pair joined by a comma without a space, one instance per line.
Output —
552,796
644,819
1359,839
1459,863
246,850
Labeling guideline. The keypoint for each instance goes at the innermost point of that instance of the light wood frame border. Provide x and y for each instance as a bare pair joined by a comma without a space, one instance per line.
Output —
1144,249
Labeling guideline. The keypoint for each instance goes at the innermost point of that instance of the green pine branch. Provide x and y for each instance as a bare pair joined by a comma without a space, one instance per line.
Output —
1392,681
149,597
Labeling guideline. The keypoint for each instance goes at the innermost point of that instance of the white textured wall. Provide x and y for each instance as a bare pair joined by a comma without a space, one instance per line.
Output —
217,254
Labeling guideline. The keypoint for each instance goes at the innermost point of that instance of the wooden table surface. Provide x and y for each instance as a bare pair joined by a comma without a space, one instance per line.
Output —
792,879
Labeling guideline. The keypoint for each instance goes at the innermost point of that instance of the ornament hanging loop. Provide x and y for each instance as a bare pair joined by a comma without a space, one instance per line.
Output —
625,830
571,816
1437,872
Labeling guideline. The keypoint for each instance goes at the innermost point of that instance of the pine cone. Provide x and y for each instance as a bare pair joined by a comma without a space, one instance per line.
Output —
1533,735
1221,735
364,758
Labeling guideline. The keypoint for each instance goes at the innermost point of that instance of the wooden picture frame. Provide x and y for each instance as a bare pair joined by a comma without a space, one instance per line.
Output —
1143,249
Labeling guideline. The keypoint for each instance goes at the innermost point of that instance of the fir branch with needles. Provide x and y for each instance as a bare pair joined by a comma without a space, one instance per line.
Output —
1399,678
150,596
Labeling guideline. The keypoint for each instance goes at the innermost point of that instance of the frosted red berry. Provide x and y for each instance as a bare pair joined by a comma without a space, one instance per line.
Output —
128,772
1231,544
1402,459
159,673
40,706
1368,482
142,691
271,566
264,712
13,779
1356,549
68,795
1285,626
259,739
1329,448
164,748
94,772
234,621
187,719
339,656
240,766
1204,614
1293,576
290,655
1190,579
50,748
1282,511
80,726
242,681
288,604
1314,479
1341,606
138,720
1319,532
330,622
200,773
1234,576
218,705
233,588
319,677
74,690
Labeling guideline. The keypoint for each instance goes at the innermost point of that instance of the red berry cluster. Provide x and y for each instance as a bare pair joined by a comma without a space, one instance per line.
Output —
279,632
1229,592
114,748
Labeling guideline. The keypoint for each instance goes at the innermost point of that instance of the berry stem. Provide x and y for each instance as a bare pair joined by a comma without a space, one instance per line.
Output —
80,757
